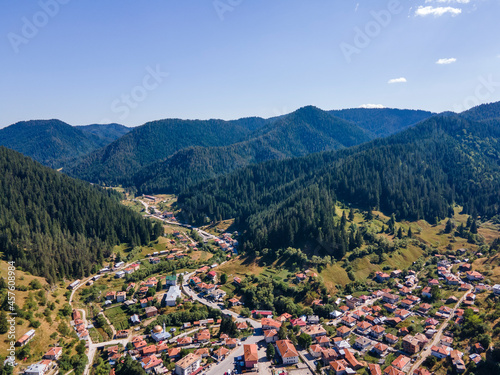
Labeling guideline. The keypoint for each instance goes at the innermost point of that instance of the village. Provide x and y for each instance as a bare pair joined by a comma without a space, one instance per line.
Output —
173,315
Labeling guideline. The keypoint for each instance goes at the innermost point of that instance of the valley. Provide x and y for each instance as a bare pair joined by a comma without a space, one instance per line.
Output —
302,244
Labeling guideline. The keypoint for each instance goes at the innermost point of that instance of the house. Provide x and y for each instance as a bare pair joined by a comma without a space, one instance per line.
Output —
338,367
411,345
264,313
287,352
250,355
241,326
135,319
188,364
170,298
390,307
324,341
284,317
391,339
380,349
363,327
313,331
203,336
446,341
271,335
328,355
421,371
343,332
374,369
212,275
315,350
300,277
217,294
362,343
424,308
396,273
426,292
313,319
393,371
353,362
236,281
390,298
39,368
433,282
231,343
53,354
111,296
150,363
76,314
121,296
406,304
123,334
221,353
352,302
474,276
402,314
170,280
183,341
402,363
151,311
203,352
440,351
270,324
348,321
377,332
381,277
496,289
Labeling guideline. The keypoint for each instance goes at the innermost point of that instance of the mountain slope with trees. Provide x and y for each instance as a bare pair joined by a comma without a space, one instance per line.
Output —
382,122
50,142
305,131
55,226
157,140
104,134
416,174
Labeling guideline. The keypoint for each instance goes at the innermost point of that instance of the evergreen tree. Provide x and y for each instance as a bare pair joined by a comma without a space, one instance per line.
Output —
351,214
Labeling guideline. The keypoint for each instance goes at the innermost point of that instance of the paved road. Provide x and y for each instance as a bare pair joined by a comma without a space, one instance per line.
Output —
437,338
228,362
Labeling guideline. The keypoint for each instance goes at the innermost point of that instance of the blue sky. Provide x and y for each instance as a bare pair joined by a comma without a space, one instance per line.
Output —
131,62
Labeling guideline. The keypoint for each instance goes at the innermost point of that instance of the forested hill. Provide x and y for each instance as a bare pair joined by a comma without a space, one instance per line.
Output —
51,142
305,131
104,134
55,226
156,141
416,174
483,112
382,122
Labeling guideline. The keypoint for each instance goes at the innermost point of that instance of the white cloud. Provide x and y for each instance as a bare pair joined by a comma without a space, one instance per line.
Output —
397,80
446,61
436,11
357,6
372,106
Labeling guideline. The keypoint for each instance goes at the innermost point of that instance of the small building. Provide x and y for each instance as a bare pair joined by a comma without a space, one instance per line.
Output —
250,355
287,352
53,354
188,364
170,298
27,337
151,311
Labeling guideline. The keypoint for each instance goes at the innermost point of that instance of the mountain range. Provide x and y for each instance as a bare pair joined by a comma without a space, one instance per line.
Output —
54,143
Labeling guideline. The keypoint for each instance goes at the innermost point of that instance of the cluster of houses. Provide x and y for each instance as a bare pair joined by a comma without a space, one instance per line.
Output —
227,243
149,354
210,289
46,364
